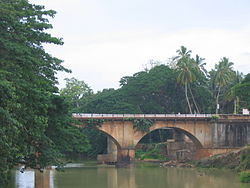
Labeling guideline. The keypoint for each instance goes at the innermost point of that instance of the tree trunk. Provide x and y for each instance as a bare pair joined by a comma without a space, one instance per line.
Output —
187,99
235,106
195,104
217,101
160,134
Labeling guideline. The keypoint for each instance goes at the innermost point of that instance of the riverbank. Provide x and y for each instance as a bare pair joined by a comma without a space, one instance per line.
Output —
238,160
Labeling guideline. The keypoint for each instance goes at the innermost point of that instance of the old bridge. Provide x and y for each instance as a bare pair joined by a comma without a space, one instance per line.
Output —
211,134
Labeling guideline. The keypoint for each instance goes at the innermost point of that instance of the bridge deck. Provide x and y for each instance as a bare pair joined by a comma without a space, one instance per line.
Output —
220,117
149,116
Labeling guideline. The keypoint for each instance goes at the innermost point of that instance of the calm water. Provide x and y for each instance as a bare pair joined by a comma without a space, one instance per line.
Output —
141,176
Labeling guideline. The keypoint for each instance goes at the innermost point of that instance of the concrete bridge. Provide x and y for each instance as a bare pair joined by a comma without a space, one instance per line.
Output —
211,134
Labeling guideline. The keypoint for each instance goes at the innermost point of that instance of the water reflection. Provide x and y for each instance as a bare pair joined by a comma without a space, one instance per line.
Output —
25,180
138,177
32,179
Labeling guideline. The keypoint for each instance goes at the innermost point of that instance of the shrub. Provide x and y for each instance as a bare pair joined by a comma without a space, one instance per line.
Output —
245,176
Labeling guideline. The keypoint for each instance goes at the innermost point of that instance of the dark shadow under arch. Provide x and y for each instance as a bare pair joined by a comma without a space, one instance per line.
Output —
112,138
191,136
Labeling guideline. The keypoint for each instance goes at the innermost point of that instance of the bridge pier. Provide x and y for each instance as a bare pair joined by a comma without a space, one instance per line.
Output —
126,155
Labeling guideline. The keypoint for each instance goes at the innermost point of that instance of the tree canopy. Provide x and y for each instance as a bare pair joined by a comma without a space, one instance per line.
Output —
28,93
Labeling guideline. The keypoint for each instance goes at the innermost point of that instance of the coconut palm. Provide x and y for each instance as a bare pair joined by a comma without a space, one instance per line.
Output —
187,70
200,63
200,72
231,94
185,77
223,75
182,53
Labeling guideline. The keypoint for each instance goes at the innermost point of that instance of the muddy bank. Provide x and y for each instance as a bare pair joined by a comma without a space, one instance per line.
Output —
238,160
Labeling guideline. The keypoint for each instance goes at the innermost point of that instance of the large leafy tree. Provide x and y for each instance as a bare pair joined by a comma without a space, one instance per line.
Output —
75,92
27,85
67,139
151,91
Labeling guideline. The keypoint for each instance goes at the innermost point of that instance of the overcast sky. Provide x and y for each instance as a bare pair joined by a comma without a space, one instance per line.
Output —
108,39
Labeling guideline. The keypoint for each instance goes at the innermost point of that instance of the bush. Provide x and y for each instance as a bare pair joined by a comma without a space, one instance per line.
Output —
245,159
245,176
153,151
215,117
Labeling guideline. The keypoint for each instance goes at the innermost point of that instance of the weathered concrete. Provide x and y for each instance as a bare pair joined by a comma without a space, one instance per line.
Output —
209,135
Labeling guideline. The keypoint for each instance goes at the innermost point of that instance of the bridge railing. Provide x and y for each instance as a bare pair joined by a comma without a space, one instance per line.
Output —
89,116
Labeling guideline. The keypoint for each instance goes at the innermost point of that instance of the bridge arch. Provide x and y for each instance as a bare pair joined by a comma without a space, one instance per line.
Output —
110,137
196,142
187,129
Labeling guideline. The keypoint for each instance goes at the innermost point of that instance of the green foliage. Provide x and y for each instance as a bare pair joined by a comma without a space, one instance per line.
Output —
27,87
242,90
97,141
76,92
67,139
215,117
96,138
245,160
142,124
94,123
152,151
223,75
245,176
153,91
188,70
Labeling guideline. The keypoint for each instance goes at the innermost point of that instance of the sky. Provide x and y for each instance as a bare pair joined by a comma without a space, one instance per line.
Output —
105,40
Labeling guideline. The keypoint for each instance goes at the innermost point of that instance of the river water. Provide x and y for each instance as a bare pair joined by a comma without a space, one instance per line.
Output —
84,175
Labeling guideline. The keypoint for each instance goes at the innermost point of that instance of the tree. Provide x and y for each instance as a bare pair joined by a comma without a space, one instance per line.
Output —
186,68
200,63
152,91
243,91
231,94
27,84
67,139
223,75
75,91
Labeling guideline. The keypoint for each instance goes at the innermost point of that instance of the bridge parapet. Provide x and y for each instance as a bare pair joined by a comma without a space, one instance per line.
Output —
176,117
148,116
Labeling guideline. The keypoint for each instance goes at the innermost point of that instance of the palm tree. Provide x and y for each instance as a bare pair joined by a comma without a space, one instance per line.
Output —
200,63
223,75
201,72
185,77
187,70
231,95
182,53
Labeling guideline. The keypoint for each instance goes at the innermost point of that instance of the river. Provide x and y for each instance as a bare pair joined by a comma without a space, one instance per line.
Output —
90,175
